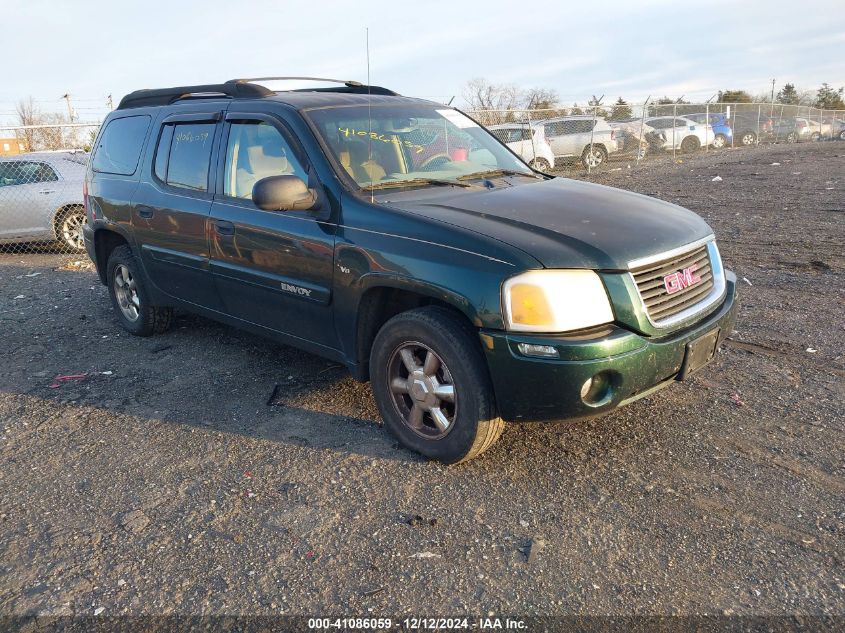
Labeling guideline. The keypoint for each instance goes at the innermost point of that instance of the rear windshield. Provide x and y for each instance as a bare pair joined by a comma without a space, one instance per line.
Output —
119,147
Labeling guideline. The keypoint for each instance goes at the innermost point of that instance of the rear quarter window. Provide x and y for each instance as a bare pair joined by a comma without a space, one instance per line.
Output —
119,148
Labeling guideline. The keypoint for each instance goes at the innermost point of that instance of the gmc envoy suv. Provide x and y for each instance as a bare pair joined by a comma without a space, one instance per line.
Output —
400,238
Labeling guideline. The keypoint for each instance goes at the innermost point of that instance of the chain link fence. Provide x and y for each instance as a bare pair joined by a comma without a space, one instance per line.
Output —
593,137
42,168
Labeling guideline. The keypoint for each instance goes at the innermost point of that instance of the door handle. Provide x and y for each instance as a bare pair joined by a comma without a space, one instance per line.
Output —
145,212
223,227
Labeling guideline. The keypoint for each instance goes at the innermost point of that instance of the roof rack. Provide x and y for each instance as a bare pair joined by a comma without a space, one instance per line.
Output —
245,88
349,85
166,96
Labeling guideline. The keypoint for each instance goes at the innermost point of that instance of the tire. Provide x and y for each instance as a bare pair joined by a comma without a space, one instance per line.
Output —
599,157
720,141
747,138
540,164
792,137
842,135
690,144
468,421
68,225
129,296
815,136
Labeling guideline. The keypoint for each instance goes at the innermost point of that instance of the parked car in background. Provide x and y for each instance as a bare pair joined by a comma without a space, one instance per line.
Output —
722,132
838,128
580,138
633,136
750,129
682,133
41,198
527,142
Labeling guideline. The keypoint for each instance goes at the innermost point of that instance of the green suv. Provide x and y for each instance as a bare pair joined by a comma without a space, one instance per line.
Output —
399,237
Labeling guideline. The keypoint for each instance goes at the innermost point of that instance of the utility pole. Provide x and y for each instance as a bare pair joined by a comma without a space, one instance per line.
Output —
66,97
110,102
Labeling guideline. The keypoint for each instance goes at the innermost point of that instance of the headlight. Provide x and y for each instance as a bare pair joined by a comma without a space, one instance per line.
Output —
555,301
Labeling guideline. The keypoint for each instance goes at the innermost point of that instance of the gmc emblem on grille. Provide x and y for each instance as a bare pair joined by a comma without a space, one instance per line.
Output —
681,279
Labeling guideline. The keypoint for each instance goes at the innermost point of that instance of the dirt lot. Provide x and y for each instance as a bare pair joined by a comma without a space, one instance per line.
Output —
162,482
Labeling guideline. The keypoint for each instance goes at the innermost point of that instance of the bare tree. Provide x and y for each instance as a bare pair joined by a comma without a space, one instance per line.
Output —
540,99
28,114
480,94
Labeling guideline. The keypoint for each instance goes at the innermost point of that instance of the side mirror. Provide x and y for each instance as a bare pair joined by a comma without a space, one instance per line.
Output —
283,193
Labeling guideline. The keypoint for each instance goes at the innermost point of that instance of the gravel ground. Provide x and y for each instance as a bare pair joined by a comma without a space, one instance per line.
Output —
162,482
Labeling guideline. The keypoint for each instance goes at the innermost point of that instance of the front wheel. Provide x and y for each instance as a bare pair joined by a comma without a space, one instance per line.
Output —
593,157
842,135
136,314
69,224
540,164
431,385
720,141
815,136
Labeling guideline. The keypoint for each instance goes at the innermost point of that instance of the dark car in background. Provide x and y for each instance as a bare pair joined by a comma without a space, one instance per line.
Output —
398,237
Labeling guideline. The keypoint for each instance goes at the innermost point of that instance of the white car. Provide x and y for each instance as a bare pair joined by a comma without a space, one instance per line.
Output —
41,199
534,150
682,133
590,140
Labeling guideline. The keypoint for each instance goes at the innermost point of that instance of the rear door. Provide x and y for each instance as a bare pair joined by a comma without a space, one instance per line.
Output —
173,203
271,268
28,191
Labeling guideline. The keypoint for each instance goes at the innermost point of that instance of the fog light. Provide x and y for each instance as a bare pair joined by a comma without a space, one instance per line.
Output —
541,351
597,390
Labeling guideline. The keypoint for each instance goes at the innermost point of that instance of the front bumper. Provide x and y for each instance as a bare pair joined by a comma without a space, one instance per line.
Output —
529,388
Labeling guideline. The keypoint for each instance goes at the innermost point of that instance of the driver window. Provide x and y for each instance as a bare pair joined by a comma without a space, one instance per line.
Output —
256,150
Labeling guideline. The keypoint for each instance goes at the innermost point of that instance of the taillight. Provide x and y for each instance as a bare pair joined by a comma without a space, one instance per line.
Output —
88,212
612,135
727,122
802,124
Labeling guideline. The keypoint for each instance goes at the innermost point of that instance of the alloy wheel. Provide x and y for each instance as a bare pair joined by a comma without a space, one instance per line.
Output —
71,230
423,390
594,158
126,291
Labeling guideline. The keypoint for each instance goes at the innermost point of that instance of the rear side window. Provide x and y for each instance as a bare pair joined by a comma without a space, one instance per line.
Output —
184,155
25,173
120,145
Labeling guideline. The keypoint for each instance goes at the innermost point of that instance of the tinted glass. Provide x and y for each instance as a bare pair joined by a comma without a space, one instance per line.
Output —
190,156
163,153
254,151
120,145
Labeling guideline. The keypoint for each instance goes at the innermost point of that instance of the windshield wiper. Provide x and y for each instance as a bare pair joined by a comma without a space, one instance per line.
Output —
390,184
496,172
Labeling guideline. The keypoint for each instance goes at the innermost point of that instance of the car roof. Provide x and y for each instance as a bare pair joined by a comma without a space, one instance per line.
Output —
345,93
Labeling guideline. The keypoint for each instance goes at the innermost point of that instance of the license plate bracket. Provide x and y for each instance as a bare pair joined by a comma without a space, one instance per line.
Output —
699,352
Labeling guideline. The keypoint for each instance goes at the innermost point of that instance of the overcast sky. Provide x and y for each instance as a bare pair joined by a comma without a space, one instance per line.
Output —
633,48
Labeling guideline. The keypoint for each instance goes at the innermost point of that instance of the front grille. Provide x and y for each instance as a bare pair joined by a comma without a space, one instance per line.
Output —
659,303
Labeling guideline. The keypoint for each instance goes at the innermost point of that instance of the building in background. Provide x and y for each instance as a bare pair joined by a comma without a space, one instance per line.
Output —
12,146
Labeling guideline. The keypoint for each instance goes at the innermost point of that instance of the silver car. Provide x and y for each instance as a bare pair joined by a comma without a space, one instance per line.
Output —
41,198
580,137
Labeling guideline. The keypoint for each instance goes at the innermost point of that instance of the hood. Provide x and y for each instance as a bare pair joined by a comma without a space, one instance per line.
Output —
567,223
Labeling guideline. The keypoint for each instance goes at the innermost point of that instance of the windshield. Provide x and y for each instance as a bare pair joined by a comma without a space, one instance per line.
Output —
414,145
